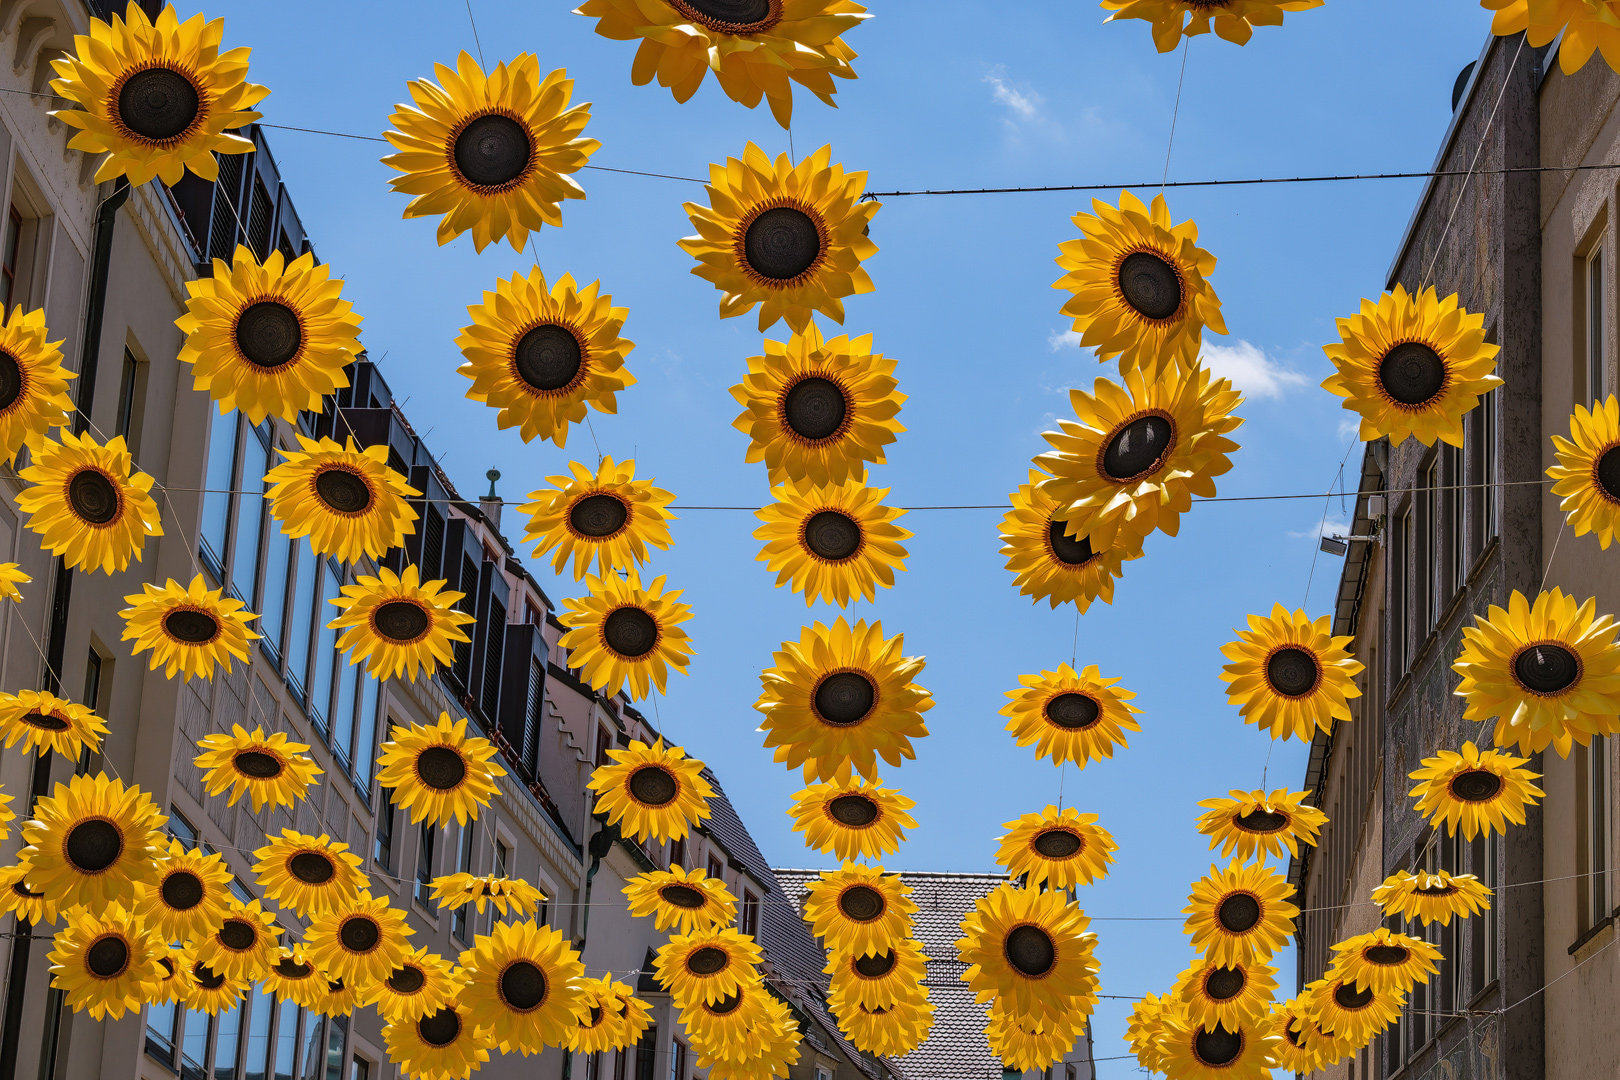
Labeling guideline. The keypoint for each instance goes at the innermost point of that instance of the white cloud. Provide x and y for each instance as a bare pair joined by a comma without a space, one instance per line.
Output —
1350,428
1328,527
1251,370
1063,339
1023,102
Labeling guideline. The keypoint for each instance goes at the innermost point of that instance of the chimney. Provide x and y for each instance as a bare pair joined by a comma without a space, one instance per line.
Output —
491,504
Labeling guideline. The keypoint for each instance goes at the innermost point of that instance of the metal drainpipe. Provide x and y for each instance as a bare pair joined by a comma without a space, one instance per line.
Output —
100,268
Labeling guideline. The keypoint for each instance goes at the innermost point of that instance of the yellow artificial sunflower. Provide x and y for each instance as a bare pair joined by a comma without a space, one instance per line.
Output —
87,503
859,910
1253,824
852,817
1213,993
1138,285
93,841
174,976
524,979
503,894
833,543
773,1046
707,965
1136,454
294,977
1189,1051
1353,1014
1289,675
1474,791
652,791
1145,1029
1047,562
208,990
360,942
309,874
732,1029
490,152
19,898
191,896
445,1045
608,516
789,238
1588,471
1384,960
270,339
840,697
156,98
105,962
756,48
7,816
1240,915
818,410
615,1018
687,900
876,979
1069,717
244,945
33,383
347,501
337,999
541,354
1301,1045
421,985
1548,671
267,768
1432,897
1029,949
398,623
45,722
890,1030
1026,1042
1233,20
1056,848
623,633
1587,26
438,771
190,629
1412,366
11,575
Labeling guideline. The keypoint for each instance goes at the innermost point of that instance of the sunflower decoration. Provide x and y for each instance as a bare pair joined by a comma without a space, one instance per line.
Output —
1056,848
1412,365
1031,950
87,503
707,965
524,978
347,501
360,942
876,979
190,898
44,723
210,991
1024,1043
1240,915
1145,1029
506,895
1355,1014
1233,20
818,410
852,817
445,1045
1049,564
11,576
771,1045
890,1030
156,98
1253,824
422,984
490,152
1136,454
1301,1045
191,629
19,898
1138,285
33,383
398,623
438,771
833,543
615,1018
269,769
105,962
1474,791
735,1028
1214,993
338,998
1189,1051
294,977
626,633
174,976
1549,671
789,238
1586,26
1070,717
1289,675
685,900
1588,469
652,791
607,516
839,698
309,874
859,910
244,945
1384,960
269,339
1432,897
94,842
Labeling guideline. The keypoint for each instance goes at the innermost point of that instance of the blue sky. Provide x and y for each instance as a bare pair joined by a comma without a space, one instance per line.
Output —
963,97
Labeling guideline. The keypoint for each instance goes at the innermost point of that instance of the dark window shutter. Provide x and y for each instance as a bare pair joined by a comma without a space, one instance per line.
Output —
469,585
432,566
493,652
531,715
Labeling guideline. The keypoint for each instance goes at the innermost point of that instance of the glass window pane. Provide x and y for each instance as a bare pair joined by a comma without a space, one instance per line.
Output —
320,681
160,1031
256,1062
249,516
286,1040
216,514
334,1049
194,1045
343,712
366,735
313,1037
225,1044
278,553
303,614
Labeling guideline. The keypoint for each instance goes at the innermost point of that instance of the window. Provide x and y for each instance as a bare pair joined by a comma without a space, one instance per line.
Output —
604,743
194,1045
1592,832
92,700
287,1040
621,1062
365,733
221,473
1490,426
382,852
162,1031
1597,324
748,917
677,1060
1430,566
717,867
464,858
181,829
131,388
256,1049
303,617
8,257
336,1034
1452,520
319,693
360,1070
278,555
424,866
647,1054
502,868
1399,600
314,1039
677,852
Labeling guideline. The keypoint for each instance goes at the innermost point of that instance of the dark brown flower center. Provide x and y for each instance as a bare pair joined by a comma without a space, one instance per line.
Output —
238,935
630,632
11,380
1476,786
875,967
1261,821
360,933
1218,1047
107,957
845,698
312,867
598,516
1238,913
855,811
158,104
725,1006
93,845
1057,844
1435,890
191,626
861,903
1352,999
181,890
1073,712
401,620
548,357
815,409
682,896
207,977
832,535
1150,285
46,721
343,490
707,961
269,334
288,968
1292,672
1547,668
93,497
1412,374
1606,472
258,764
407,980
653,785
731,16
1069,550
492,151
1030,951
441,768
1137,448
440,1029
782,243
1224,984
1386,955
